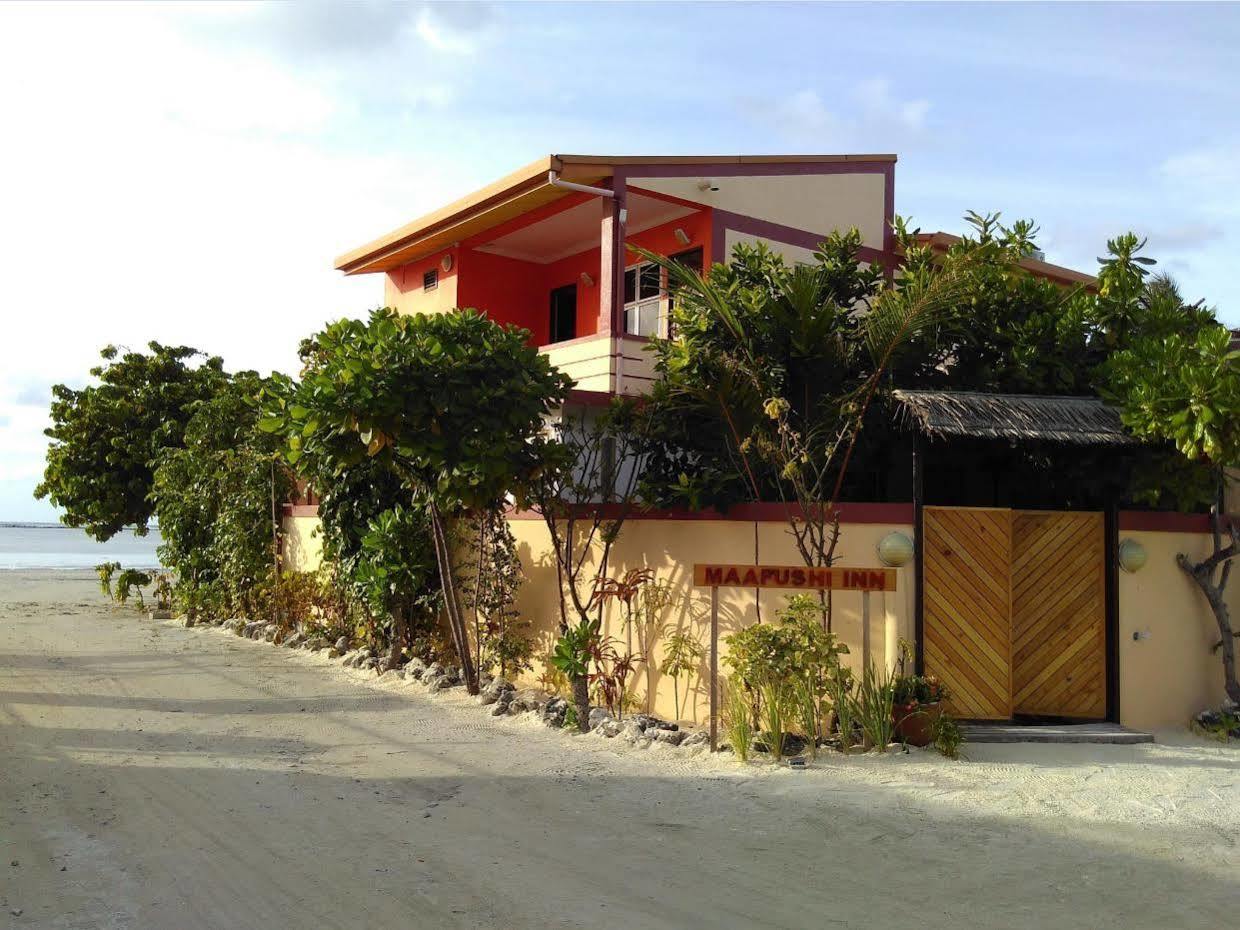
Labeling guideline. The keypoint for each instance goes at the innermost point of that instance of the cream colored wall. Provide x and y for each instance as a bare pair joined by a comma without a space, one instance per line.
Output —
303,547
817,203
589,361
604,363
792,254
1168,677
670,548
1164,678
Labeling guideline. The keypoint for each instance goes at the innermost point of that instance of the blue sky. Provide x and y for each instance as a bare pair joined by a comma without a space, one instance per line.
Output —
187,173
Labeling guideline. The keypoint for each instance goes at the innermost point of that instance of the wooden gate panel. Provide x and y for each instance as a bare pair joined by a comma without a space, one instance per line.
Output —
966,615
1059,614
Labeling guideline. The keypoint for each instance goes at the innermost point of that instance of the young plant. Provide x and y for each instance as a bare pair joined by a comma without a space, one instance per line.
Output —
844,705
681,656
610,673
948,737
874,705
737,718
775,659
571,657
105,571
130,582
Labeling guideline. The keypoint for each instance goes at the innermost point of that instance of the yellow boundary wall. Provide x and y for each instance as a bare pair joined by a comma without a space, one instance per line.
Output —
1165,677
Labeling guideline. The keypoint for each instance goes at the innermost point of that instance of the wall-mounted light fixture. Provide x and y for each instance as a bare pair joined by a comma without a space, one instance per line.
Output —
895,549
1131,555
446,262
681,236
706,184
586,280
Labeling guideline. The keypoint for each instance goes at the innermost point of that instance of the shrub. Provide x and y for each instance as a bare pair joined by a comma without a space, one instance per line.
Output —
779,660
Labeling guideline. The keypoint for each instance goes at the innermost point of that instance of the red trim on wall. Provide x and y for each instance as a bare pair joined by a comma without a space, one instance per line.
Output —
755,513
655,169
1160,521
1134,521
777,232
588,398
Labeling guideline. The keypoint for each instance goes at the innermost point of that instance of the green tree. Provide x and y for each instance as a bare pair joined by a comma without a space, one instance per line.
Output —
768,381
217,497
449,403
1184,389
106,436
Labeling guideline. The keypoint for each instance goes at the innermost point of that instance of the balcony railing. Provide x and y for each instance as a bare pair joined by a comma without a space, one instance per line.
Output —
607,363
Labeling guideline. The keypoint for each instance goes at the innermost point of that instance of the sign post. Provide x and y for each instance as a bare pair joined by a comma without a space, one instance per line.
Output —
793,577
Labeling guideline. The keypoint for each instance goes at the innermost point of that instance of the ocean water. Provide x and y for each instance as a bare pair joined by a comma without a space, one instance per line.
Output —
53,546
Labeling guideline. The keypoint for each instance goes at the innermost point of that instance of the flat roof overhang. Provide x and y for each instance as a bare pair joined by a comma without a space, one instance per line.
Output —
527,189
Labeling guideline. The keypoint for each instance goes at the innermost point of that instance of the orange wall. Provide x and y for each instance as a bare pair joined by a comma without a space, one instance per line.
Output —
512,291
402,287
506,289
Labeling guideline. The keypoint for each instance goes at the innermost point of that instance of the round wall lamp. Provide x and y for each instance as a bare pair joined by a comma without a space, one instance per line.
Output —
1131,555
895,549
446,263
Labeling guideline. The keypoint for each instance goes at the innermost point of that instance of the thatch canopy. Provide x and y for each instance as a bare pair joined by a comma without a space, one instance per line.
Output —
1080,420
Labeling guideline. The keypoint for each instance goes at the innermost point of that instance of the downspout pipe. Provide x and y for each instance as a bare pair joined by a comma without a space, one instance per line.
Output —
554,179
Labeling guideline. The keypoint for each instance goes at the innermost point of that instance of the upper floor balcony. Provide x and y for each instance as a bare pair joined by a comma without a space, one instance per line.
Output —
549,248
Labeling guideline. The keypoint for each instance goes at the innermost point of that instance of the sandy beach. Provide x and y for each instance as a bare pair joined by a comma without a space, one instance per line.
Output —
158,777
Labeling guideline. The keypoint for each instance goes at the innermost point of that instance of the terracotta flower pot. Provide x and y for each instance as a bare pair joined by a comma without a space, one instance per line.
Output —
914,723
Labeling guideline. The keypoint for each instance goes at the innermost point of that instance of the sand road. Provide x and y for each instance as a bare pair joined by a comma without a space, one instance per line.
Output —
157,777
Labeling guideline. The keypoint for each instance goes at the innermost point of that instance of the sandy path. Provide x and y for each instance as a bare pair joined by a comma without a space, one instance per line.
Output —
152,776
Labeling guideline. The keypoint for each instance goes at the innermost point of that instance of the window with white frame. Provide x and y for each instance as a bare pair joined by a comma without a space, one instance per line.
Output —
643,299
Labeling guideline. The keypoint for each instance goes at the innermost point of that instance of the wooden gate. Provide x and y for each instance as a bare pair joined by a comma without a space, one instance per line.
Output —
966,597
1014,611
1058,614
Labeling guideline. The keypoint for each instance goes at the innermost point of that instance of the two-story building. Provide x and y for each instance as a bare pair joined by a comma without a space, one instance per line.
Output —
546,248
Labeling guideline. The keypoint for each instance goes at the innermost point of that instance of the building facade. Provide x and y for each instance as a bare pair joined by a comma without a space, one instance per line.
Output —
545,248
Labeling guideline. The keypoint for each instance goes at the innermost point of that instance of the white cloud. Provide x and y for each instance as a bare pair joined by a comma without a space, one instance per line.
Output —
867,115
1215,166
164,190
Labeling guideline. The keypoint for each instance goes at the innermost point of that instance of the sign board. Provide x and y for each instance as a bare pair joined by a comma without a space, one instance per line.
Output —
797,577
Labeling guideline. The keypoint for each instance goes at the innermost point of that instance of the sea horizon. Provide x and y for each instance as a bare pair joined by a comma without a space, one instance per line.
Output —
35,544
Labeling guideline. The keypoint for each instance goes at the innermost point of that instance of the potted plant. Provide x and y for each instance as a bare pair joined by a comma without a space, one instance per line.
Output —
916,707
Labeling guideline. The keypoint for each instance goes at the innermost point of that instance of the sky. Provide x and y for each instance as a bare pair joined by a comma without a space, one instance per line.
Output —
187,173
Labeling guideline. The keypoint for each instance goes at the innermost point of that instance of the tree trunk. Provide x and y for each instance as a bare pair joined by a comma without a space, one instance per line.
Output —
581,697
452,604
1203,573
400,626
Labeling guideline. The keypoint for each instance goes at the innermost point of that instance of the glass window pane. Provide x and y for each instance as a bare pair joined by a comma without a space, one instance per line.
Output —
649,281
630,285
648,324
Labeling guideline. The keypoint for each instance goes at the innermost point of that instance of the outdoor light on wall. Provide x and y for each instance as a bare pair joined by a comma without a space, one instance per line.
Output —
446,263
895,549
586,280
681,236
1131,555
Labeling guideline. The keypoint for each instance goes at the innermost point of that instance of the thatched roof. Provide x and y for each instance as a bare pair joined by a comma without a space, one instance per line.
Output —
1080,420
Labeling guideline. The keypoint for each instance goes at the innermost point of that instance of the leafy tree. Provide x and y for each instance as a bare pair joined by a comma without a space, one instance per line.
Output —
1185,389
449,403
776,368
217,497
106,437
585,490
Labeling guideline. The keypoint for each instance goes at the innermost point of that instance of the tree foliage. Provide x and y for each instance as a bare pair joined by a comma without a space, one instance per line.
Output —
107,436
448,403
217,497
